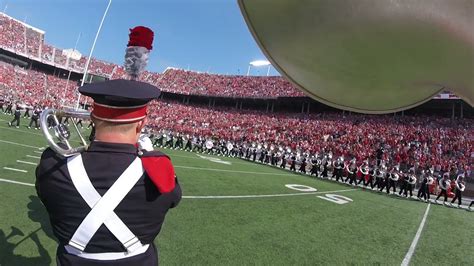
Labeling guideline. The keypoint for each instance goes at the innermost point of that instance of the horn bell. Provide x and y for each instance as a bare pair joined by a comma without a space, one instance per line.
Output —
368,56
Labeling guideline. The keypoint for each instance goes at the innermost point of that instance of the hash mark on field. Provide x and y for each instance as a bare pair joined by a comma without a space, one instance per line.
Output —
16,182
38,152
411,250
14,169
25,162
31,156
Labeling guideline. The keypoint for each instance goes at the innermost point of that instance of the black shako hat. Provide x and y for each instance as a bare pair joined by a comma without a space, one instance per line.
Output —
120,100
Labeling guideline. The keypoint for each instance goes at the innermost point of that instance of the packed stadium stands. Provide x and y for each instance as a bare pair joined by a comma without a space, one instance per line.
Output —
15,35
430,141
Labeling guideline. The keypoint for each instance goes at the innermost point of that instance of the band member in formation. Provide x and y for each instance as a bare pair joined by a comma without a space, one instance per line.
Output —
403,181
443,185
9,109
351,172
16,117
338,168
392,180
314,166
293,163
325,165
371,176
159,140
35,117
423,191
302,168
283,161
411,181
363,172
27,111
379,177
460,186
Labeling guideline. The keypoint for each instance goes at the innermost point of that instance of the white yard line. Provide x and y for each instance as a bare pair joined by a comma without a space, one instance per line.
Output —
265,196
25,162
19,144
39,152
411,250
16,182
231,171
14,169
35,157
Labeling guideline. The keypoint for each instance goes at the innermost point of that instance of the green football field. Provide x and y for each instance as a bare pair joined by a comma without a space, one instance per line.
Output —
235,212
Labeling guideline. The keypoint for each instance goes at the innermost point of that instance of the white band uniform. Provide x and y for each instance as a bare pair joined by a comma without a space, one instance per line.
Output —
102,211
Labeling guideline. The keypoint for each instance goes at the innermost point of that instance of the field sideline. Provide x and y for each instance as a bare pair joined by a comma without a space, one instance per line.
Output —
242,213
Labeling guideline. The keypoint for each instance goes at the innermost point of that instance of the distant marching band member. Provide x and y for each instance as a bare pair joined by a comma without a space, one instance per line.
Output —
325,163
303,166
431,181
423,190
363,172
411,181
460,186
283,161
392,181
293,163
379,175
338,166
314,166
443,185
371,175
403,181
351,170
385,180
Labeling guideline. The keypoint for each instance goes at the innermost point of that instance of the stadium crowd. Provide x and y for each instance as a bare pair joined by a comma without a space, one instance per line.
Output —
19,37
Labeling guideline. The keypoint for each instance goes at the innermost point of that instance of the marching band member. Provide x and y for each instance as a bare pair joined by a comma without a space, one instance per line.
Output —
403,181
371,176
423,190
411,181
363,171
443,185
460,186
293,162
107,204
379,175
351,170
325,165
338,168
16,116
303,166
392,181
314,166
283,161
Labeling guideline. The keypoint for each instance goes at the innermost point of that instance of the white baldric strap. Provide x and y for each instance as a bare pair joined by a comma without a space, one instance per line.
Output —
103,211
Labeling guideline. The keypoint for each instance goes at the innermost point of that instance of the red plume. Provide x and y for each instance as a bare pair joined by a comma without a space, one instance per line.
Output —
141,36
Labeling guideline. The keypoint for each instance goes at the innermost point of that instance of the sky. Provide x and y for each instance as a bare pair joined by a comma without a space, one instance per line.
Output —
202,35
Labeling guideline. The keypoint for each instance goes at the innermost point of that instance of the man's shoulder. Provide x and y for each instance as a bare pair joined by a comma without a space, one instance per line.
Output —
147,154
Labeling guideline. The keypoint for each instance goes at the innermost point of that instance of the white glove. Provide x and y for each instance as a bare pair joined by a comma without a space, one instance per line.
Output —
144,143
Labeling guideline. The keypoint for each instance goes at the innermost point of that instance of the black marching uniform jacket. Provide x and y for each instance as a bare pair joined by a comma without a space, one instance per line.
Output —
142,210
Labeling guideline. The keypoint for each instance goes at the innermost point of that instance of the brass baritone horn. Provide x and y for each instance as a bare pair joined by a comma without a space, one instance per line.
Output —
61,132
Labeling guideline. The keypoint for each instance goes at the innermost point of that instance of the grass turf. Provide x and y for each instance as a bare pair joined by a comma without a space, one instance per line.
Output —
303,229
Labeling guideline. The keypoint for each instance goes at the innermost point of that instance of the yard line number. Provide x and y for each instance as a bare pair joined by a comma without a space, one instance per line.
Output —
334,198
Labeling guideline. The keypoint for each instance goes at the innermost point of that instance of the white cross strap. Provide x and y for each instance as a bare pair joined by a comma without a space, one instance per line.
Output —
102,208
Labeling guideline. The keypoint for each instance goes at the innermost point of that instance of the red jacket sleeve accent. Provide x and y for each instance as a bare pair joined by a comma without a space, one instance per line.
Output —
161,172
